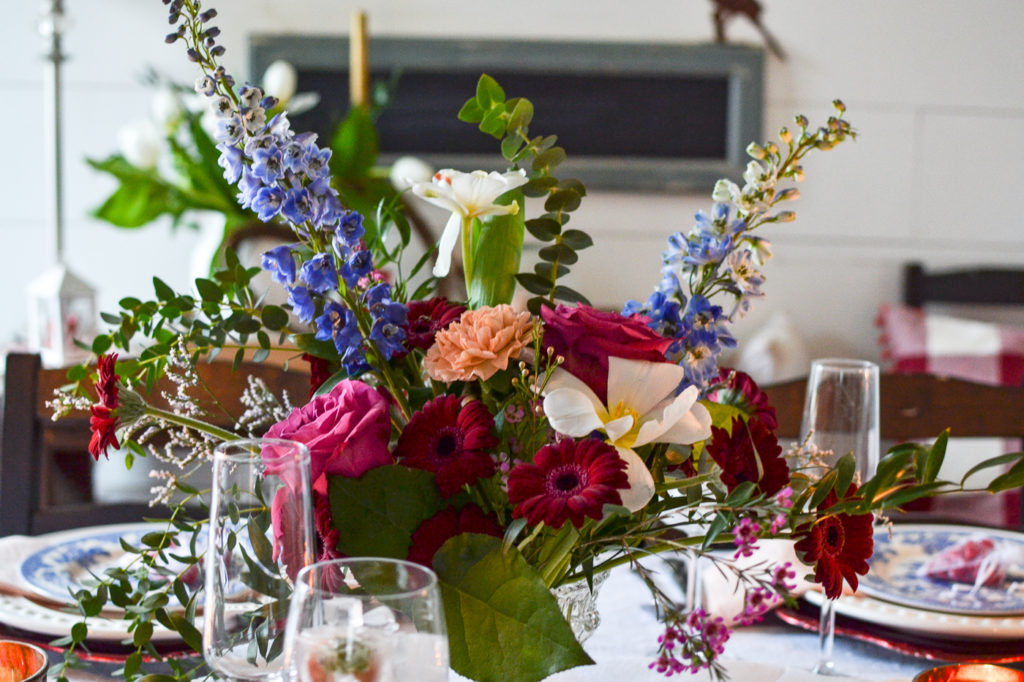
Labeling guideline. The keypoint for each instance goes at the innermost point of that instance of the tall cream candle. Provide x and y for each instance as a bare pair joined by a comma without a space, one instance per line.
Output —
358,61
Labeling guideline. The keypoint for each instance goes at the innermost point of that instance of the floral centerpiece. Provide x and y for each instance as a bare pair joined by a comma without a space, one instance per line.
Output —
515,450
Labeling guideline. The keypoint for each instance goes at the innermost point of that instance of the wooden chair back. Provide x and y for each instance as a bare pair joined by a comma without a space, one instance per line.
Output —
45,467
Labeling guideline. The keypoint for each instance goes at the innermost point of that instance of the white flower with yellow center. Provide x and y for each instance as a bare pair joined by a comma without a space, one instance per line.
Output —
467,196
642,408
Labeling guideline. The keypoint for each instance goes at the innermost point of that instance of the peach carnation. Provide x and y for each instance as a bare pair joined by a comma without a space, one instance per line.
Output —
479,344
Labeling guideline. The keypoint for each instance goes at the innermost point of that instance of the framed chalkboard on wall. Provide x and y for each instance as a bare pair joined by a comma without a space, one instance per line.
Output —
630,116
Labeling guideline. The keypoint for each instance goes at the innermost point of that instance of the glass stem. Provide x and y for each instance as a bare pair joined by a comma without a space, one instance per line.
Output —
694,598
826,638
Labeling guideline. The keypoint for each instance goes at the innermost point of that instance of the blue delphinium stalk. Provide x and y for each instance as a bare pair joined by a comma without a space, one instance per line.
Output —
285,176
720,256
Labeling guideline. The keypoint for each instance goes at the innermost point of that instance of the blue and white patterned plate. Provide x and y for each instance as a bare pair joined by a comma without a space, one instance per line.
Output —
897,559
63,566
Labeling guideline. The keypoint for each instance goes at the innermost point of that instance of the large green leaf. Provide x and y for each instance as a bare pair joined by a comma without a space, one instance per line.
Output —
354,146
496,257
376,514
503,623
142,197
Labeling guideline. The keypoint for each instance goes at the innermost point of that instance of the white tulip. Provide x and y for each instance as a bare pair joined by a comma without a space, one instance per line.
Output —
140,143
467,196
281,80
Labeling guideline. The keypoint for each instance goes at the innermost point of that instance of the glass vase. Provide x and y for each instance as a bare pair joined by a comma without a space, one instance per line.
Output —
578,604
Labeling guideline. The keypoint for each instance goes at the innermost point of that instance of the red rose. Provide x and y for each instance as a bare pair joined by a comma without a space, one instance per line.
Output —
586,337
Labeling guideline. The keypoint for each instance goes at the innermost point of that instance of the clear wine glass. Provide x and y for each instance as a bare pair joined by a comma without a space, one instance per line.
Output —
366,618
260,537
841,415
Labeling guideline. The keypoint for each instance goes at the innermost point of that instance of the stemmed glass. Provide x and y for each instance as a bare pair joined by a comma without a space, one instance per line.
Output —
260,536
841,415
366,618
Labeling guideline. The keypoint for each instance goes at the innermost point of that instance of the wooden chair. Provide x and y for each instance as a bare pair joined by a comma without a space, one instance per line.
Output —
45,467
920,406
990,286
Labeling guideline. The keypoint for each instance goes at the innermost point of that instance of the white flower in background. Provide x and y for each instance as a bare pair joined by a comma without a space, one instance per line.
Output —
406,171
140,143
166,109
642,408
281,80
467,196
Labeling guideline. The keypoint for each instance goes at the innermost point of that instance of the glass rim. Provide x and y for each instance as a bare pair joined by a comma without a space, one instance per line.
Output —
844,363
430,584
221,450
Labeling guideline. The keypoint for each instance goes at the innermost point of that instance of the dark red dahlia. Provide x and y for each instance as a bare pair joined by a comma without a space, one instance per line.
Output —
319,372
448,523
568,480
838,546
103,424
450,439
750,453
741,391
426,318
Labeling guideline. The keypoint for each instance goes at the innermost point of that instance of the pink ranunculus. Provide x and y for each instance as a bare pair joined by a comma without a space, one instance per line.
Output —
586,338
346,431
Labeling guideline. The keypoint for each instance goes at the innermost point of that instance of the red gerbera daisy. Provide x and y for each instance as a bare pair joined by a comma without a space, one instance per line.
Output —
103,422
568,480
839,546
448,523
451,440
426,318
319,372
750,453
740,390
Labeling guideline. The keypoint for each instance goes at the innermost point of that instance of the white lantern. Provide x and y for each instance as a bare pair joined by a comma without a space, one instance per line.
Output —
61,308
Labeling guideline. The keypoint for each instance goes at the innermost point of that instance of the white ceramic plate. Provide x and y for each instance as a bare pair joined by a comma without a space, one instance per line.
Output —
23,614
898,558
921,620
73,558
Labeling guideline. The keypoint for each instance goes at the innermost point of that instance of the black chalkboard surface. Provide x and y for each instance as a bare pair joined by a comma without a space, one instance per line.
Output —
630,116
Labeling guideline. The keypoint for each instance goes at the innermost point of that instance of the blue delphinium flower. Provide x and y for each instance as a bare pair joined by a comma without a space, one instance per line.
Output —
267,202
231,161
338,324
319,274
350,228
389,319
298,205
357,265
280,263
267,164
302,303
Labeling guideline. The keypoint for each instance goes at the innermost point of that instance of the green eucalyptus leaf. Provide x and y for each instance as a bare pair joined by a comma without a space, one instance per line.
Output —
544,229
534,283
558,253
577,239
503,623
471,112
548,159
520,114
208,289
488,91
564,293
565,200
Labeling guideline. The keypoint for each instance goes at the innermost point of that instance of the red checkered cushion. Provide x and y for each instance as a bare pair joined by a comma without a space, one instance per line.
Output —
913,340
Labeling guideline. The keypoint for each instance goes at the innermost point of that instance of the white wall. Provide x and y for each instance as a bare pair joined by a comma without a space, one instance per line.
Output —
935,88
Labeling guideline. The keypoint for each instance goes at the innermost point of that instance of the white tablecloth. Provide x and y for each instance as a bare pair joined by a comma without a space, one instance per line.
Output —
626,641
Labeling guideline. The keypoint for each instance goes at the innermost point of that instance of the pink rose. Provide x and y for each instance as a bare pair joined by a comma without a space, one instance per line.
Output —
346,431
586,338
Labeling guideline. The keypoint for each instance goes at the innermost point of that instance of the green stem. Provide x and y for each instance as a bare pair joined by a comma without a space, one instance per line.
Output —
467,250
188,422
